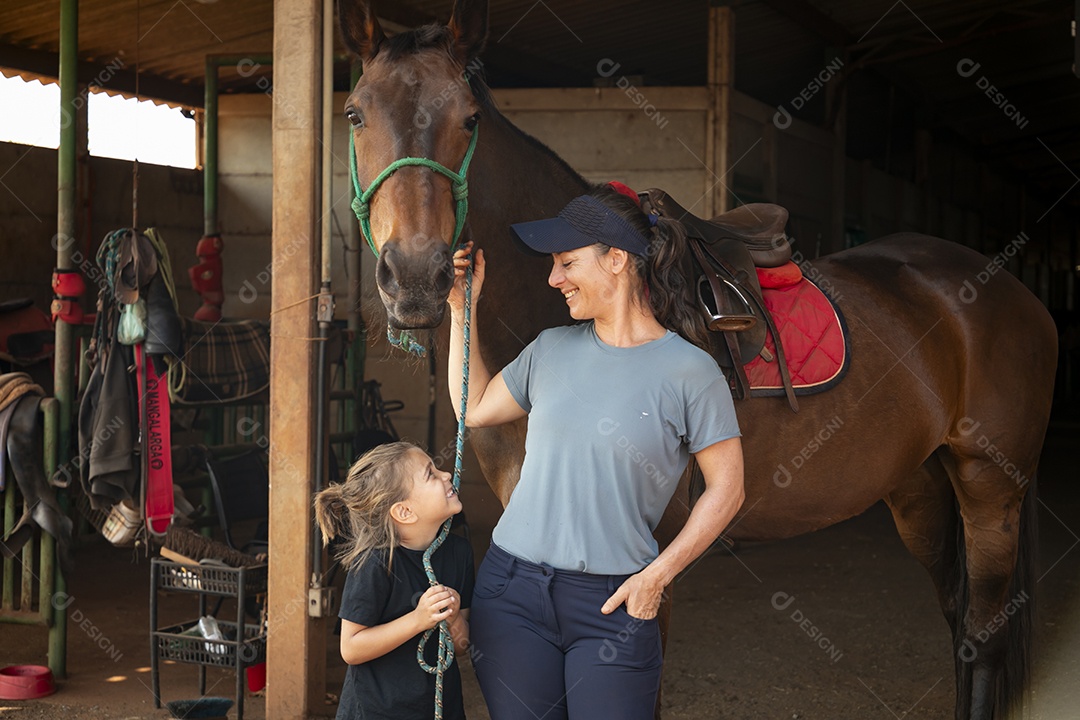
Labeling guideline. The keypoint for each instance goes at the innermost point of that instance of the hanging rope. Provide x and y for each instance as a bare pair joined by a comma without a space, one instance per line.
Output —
446,641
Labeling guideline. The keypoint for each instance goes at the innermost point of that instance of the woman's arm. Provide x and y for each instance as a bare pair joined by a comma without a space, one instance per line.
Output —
490,403
722,466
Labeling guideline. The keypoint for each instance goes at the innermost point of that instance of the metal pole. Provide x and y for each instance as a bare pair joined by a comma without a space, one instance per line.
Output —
325,309
210,149
244,63
65,242
354,269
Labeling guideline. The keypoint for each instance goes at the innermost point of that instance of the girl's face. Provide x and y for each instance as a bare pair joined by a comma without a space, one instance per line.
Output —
432,496
588,287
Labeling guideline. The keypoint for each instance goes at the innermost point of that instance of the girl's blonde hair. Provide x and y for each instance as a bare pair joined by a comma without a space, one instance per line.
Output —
358,510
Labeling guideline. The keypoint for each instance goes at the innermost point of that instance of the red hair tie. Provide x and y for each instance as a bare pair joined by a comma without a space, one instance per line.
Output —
625,190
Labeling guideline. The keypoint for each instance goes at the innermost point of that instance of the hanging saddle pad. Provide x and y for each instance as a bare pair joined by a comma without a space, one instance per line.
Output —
812,330
224,361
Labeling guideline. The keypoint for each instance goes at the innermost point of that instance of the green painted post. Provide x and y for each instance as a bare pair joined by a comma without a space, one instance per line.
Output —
48,568
210,149
65,241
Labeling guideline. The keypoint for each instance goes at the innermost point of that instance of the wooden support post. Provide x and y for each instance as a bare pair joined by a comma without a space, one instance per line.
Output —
721,85
296,653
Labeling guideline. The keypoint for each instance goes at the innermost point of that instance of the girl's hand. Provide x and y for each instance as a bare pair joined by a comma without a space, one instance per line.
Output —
455,603
456,299
438,603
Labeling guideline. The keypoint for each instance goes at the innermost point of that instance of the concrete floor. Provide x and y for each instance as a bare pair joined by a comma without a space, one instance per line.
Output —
731,654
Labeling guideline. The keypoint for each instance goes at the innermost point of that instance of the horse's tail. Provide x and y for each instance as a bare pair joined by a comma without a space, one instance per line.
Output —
1016,668
1013,684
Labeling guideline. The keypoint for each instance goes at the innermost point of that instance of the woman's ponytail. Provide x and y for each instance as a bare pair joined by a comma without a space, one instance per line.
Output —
670,294
664,268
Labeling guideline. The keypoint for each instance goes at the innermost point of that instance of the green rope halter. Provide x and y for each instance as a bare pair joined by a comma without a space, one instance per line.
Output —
361,203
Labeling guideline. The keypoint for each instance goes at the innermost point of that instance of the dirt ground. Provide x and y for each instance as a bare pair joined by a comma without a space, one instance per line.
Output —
859,635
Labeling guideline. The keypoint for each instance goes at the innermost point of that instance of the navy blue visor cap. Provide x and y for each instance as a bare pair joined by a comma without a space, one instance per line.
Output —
584,221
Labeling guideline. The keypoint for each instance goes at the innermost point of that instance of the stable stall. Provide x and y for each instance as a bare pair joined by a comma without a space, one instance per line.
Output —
736,117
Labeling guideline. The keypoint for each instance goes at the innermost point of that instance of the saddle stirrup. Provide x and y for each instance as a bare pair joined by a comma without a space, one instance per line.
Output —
717,318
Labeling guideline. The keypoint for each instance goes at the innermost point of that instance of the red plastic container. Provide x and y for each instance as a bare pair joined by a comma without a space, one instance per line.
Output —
26,682
256,677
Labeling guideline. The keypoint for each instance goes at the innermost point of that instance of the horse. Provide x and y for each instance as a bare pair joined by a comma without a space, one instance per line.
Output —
942,413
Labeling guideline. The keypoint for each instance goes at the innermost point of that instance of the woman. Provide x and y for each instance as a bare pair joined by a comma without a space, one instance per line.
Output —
565,603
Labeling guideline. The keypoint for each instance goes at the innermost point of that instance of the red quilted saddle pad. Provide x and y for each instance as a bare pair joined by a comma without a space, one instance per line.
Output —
811,329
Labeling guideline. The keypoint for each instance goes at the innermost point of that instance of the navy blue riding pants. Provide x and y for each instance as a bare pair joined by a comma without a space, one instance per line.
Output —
542,648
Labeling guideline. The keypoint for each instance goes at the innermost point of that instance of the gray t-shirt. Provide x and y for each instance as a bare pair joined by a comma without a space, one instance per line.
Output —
610,433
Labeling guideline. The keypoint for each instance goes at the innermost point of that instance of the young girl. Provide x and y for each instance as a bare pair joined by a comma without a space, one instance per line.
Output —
386,513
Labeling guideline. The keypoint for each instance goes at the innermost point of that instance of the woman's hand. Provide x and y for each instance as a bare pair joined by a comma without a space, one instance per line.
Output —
438,603
642,594
462,258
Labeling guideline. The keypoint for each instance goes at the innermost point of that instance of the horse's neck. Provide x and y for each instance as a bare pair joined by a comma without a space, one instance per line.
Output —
519,179
515,179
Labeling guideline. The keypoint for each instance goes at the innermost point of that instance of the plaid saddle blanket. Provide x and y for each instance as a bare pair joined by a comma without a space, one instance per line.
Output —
223,361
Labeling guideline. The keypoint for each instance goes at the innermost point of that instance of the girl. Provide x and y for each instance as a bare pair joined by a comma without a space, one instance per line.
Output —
386,513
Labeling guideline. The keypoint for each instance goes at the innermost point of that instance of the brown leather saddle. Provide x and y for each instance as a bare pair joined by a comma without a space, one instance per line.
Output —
726,249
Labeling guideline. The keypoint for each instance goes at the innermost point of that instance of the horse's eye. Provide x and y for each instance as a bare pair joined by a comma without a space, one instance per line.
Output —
354,118
470,123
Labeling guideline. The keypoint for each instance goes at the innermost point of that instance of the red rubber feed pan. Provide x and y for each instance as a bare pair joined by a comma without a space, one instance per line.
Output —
26,682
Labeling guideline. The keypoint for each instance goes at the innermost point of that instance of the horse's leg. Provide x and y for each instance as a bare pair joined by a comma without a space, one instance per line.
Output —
924,509
500,451
998,546
675,515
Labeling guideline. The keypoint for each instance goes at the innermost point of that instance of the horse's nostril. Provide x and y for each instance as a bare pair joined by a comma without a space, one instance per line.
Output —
442,269
385,272
444,278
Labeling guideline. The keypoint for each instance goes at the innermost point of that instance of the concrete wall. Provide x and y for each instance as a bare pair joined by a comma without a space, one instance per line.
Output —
170,199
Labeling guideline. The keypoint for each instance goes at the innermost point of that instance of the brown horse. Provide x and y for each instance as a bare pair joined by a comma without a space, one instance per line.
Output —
942,413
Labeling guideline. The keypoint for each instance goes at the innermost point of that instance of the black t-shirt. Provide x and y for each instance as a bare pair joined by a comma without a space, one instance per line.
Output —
394,686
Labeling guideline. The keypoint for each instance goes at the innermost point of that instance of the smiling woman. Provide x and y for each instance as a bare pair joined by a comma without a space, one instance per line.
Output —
118,127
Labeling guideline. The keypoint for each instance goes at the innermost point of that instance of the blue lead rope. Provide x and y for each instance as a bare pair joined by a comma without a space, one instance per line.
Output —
446,641
404,339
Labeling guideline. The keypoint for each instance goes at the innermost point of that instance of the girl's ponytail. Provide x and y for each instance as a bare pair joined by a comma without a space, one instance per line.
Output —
331,512
356,513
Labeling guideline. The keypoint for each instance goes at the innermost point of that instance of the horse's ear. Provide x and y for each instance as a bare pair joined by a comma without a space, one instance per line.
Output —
360,28
469,24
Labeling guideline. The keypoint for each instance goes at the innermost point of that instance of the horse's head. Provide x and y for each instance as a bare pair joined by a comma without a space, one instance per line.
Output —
413,101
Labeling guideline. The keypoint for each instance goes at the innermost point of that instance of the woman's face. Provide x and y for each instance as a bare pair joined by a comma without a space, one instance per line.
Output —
586,283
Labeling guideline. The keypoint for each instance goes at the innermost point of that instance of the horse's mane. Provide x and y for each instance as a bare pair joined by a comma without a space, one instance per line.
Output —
439,37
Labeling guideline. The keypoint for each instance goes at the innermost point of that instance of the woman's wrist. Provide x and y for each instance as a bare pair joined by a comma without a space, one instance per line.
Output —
661,571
